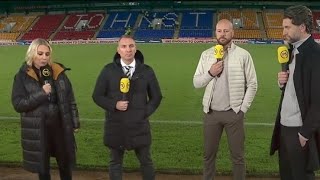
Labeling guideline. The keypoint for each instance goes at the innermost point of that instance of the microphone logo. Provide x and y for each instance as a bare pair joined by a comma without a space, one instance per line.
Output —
283,54
283,57
218,54
46,72
124,85
218,51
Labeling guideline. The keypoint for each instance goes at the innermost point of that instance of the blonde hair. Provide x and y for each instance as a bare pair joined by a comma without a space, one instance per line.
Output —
33,48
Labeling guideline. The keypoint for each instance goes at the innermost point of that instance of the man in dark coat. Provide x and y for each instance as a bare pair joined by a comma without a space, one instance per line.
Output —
43,95
298,119
127,126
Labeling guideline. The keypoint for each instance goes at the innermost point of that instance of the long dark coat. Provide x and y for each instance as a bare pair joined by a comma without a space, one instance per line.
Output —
129,129
307,85
30,100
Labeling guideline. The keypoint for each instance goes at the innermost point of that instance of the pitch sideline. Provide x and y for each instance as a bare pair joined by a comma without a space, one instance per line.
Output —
153,121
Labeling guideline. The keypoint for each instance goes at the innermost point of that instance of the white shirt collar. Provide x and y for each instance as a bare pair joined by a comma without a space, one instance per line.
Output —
132,64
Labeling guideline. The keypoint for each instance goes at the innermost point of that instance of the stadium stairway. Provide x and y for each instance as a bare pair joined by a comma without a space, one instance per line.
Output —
60,27
177,29
261,25
136,24
28,29
101,26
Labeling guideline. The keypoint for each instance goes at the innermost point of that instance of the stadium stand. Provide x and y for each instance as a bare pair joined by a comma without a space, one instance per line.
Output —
273,19
8,36
20,23
246,19
145,21
316,19
148,34
80,26
44,27
197,24
247,34
245,22
156,25
117,23
316,22
273,23
13,26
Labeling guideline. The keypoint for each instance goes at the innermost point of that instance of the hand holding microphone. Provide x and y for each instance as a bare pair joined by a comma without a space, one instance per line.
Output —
283,58
46,76
216,69
47,88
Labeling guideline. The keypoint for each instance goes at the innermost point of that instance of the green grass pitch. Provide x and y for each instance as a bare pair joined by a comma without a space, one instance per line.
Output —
176,125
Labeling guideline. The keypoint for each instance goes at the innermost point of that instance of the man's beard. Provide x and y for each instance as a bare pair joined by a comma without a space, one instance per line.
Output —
291,40
227,41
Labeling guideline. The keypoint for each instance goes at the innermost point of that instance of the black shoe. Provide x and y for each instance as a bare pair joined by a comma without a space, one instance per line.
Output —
44,177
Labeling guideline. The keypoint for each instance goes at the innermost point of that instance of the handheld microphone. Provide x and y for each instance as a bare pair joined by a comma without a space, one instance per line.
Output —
218,54
124,87
46,75
283,57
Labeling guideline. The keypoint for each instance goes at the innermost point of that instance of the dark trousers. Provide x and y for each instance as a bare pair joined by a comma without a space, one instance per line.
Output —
214,123
144,156
293,157
56,146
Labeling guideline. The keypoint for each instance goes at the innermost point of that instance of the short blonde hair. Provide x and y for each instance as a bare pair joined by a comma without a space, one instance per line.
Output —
33,48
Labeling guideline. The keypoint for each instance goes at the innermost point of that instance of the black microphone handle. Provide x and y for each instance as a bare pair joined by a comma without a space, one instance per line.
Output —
219,74
124,97
284,67
49,95
218,60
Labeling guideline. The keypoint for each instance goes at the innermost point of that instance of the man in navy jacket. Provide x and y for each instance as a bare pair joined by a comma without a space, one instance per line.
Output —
127,126
295,134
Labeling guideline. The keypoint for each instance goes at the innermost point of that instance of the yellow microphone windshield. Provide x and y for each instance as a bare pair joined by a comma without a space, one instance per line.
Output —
283,54
218,51
124,85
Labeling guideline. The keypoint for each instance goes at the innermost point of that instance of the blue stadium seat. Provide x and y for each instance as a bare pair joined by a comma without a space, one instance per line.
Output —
197,20
111,34
168,19
147,34
197,33
120,20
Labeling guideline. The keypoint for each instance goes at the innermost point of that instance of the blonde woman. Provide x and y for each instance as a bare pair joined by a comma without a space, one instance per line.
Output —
43,95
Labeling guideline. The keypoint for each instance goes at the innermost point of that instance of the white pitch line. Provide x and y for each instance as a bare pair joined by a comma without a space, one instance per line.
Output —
152,121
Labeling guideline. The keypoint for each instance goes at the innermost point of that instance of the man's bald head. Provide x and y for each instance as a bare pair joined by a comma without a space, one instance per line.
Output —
224,23
224,32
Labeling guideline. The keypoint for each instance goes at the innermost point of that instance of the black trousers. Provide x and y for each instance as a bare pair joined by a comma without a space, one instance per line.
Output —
144,156
293,157
56,147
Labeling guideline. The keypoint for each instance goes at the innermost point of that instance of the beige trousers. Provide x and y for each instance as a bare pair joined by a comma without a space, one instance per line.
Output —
214,123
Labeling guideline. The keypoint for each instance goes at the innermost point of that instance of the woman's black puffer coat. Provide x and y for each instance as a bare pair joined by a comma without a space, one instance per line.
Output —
30,100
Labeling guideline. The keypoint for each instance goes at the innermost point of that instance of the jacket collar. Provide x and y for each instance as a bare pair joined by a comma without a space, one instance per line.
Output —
306,44
231,47
57,69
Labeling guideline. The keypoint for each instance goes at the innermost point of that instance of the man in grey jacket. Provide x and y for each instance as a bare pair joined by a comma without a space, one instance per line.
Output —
231,85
